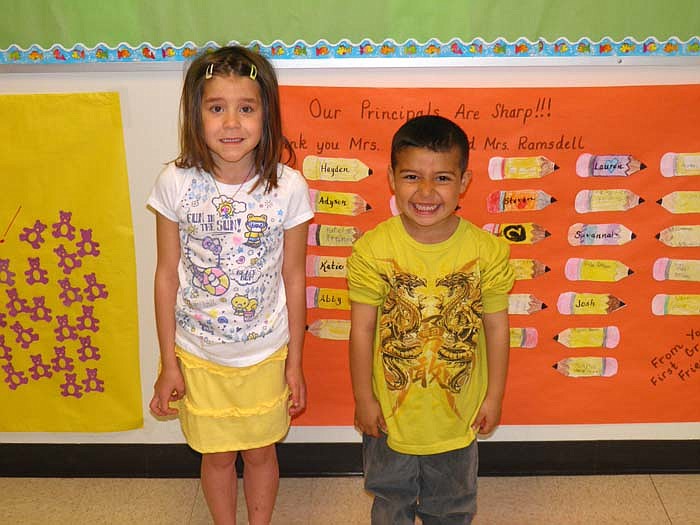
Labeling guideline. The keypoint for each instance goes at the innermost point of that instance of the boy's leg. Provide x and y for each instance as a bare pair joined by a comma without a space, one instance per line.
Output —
392,478
261,478
448,487
219,485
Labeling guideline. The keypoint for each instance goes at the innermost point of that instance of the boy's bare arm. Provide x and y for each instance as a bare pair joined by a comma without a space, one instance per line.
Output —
496,331
368,413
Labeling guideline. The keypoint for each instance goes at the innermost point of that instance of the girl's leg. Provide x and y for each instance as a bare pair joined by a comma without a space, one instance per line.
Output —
261,478
219,484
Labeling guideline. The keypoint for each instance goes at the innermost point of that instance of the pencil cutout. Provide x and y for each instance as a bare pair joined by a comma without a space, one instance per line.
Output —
680,236
587,366
335,329
338,203
523,337
335,169
589,165
330,235
666,269
520,167
600,337
327,298
575,303
519,233
680,164
681,202
518,200
326,266
599,270
524,304
527,268
599,234
606,200
685,304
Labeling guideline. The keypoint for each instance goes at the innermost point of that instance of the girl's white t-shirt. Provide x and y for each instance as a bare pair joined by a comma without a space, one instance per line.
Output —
231,304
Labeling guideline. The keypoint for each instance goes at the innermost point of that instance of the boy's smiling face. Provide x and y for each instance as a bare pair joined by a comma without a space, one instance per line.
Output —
427,185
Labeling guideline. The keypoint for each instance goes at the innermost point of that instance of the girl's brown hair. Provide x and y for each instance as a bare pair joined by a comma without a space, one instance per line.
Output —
233,60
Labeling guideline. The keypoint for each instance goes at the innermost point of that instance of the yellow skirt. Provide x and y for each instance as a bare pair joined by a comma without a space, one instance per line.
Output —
228,409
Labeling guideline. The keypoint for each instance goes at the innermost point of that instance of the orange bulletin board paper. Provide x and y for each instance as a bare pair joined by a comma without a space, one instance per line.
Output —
68,326
651,370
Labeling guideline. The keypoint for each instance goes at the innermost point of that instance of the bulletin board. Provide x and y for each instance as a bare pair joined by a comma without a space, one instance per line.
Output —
596,190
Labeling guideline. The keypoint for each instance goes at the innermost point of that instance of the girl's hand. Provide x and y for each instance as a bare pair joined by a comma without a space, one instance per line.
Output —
170,386
297,390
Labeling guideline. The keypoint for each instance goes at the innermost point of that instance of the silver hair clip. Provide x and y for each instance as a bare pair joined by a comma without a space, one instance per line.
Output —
210,71
253,72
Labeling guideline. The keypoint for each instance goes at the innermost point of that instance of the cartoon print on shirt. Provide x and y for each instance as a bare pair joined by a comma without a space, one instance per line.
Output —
256,225
244,306
212,279
227,207
429,331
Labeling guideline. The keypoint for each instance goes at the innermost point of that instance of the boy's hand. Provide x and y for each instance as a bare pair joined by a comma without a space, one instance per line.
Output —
170,386
368,417
297,390
488,416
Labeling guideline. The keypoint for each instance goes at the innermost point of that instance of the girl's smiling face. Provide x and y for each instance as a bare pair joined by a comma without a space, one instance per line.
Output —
232,121
427,185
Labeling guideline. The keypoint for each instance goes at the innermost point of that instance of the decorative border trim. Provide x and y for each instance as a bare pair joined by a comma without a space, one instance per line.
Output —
323,50
528,458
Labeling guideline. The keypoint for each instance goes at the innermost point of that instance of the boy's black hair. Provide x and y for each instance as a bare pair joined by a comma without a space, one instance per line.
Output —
431,132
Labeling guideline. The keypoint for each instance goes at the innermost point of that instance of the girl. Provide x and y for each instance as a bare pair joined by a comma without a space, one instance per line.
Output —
230,280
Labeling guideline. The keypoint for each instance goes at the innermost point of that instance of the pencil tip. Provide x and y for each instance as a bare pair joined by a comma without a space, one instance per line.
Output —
556,167
658,235
368,207
556,337
544,307
369,171
553,200
547,234
630,271
555,366
547,269
641,200
642,166
659,201
634,236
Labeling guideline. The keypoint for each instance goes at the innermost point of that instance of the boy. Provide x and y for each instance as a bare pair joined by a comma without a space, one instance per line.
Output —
429,295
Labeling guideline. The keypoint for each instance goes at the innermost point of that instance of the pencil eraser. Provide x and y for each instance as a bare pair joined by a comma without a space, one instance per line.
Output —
610,366
582,201
660,266
565,303
658,304
668,164
493,202
530,338
572,268
496,168
583,164
612,337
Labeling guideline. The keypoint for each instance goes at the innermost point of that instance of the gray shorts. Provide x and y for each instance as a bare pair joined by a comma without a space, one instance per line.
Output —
440,488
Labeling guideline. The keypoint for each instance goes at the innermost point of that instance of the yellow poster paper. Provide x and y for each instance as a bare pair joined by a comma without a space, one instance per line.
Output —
68,314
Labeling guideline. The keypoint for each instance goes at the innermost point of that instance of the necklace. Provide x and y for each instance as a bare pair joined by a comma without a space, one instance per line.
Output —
224,204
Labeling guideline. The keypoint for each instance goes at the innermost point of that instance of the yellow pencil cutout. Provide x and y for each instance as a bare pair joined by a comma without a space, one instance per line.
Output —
598,337
338,203
606,200
680,236
523,337
327,298
600,270
518,200
525,269
520,167
666,269
587,366
589,165
681,202
518,233
326,266
599,234
524,304
682,304
335,169
331,235
680,164
336,329
575,303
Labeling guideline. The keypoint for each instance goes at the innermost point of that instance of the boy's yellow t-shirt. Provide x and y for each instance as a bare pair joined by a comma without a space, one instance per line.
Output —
430,369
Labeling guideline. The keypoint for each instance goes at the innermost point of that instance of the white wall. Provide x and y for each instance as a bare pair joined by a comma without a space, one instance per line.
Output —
149,99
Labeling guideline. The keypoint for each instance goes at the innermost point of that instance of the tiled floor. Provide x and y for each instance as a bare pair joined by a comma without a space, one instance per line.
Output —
615,500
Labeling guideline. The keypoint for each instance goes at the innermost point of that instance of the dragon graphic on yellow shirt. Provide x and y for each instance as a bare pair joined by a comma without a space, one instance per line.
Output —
429,330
